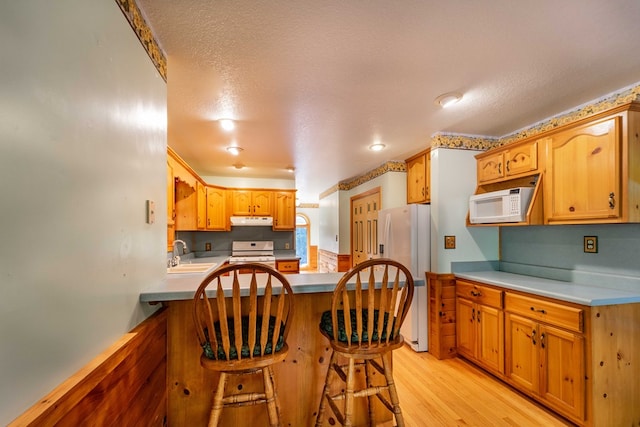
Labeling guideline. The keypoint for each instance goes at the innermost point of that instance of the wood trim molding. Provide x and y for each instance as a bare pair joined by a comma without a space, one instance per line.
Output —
124,385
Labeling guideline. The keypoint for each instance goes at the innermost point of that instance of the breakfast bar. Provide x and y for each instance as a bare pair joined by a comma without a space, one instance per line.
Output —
299,380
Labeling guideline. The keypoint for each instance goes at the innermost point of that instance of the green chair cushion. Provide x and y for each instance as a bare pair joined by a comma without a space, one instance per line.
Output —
326,325
244,350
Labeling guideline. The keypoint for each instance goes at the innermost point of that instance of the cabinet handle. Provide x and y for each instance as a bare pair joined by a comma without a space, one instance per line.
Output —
500,168
508,165
478,316
542,340
539,310
473,315
476,294
612,200
533,337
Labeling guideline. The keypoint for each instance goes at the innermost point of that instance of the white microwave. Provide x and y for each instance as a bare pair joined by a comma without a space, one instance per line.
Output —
500,206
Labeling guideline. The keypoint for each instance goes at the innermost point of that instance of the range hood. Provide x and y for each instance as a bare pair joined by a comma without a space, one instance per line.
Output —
252,221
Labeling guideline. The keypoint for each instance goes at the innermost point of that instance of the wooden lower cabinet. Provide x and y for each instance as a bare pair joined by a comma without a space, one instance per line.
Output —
480,325
547,362
577,360
288,265
442,315
545,348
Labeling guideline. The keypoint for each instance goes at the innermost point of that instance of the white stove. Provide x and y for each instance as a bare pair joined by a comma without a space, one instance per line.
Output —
252,251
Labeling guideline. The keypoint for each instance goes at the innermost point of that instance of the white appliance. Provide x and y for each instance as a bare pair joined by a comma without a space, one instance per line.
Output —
510,205
404,235
252,221
254,251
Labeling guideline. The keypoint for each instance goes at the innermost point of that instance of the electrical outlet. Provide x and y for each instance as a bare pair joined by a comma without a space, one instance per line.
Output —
286,245
207,246
449,242
591,244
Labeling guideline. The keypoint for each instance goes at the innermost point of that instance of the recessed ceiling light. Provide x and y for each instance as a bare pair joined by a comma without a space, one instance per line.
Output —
448,99
377,146
227,124
291,169
234,150
238,166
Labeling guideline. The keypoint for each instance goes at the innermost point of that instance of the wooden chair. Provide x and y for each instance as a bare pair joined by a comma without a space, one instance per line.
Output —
242,324
377,304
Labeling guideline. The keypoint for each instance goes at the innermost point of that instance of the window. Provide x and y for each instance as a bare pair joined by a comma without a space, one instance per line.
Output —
302,239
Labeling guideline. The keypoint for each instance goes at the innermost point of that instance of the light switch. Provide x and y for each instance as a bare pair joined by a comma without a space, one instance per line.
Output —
151,211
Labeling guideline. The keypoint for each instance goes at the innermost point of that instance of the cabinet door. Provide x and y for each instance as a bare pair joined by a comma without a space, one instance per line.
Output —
262,201
418,179
522,364
465,327
522,159
241,203
563,361
584,172
201,200
284,211
491,168
490,338
216,209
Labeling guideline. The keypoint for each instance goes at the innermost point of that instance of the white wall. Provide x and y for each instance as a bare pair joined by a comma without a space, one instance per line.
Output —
83,146
329,222
453,180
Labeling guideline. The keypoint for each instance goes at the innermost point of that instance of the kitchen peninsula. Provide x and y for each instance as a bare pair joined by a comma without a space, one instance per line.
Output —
299,379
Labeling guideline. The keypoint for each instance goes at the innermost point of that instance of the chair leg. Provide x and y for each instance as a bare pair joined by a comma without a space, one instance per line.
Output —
270,396
325,390
393,393
369,380
218,395
348,399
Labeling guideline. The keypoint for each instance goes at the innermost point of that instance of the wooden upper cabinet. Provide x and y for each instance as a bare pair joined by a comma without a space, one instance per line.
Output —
217,217
284,210
418,177
491,167
584,172
508,162
521,159
252,202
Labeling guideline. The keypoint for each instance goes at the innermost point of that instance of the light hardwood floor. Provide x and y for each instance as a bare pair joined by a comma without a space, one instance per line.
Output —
455,393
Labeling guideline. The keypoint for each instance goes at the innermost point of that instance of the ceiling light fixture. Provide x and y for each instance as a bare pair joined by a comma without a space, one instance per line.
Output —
291,169
227,124
234,150
238,166
448,99
377,146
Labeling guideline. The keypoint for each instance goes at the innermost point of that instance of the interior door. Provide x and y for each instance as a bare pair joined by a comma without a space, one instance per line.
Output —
364,226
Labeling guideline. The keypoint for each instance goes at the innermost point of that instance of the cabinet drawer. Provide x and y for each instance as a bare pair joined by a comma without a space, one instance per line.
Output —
288,266
480,294
563,316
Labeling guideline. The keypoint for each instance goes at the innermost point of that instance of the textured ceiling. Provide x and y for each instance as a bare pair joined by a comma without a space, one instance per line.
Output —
313,83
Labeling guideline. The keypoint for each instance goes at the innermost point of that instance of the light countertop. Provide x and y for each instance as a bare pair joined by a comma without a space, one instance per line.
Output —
566,291
183,286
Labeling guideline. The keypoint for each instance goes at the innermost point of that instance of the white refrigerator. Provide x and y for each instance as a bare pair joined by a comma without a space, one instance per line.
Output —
404,235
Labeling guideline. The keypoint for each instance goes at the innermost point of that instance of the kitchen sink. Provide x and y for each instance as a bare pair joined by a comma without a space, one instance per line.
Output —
191,268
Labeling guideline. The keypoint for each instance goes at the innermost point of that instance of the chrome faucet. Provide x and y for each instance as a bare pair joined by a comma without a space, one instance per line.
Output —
176,258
